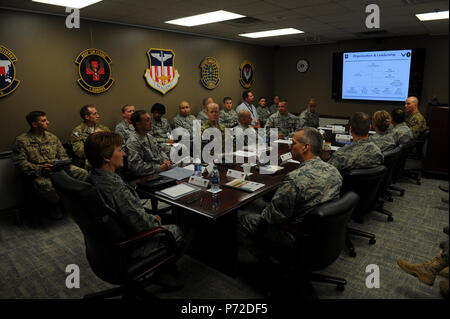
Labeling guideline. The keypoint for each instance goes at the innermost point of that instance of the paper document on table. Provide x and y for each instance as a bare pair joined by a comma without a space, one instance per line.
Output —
244,185
178,191
293,161
335,148
177,173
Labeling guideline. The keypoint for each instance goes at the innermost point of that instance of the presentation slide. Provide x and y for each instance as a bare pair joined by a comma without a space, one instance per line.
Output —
376,75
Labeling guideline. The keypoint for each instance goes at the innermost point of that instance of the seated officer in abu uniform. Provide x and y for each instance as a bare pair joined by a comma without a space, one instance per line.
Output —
383,138
144,155
313,183
263,111
287,123
401,132
309,117
105,154
125,128
202,114
160,127
184,118
362,153
80,133
34,154
228,117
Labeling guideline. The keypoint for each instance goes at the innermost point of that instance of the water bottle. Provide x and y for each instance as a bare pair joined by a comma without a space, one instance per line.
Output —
197,167
215,180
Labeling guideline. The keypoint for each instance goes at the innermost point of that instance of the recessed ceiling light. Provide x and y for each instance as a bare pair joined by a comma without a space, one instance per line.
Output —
77,4
271,33
432,16
206,18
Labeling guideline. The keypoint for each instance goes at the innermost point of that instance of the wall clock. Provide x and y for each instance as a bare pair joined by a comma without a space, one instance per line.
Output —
302,65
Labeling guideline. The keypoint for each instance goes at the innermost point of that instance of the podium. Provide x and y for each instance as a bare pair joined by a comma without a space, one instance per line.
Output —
436,156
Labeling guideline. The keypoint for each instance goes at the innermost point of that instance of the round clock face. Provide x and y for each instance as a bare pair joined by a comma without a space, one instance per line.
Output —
302,65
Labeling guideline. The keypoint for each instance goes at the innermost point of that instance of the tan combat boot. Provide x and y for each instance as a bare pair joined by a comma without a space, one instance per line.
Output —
425,272
444,272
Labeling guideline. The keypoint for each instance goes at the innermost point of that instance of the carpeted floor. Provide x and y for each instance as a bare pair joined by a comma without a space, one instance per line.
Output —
33,259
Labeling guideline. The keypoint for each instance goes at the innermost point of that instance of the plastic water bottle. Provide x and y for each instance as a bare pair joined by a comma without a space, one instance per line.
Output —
197,167
215,180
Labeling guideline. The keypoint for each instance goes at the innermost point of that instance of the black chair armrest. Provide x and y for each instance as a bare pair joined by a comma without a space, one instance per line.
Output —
296,231
148,234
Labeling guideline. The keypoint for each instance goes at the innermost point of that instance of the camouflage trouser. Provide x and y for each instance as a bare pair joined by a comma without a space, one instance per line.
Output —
274,237
44,187
157,242
444,253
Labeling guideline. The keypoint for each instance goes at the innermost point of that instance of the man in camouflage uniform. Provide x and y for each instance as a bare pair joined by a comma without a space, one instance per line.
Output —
125,128
161,129
401,132
309,117
202,114
34,154
362,153
80,133
228,117
415,120
263,111
274,107
184,118
144,155
212,111
313,183
287,123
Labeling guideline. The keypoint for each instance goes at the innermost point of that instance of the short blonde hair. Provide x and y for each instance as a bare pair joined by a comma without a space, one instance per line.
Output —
381,120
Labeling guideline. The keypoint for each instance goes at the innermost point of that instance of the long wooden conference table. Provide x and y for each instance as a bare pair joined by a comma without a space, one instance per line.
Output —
212,223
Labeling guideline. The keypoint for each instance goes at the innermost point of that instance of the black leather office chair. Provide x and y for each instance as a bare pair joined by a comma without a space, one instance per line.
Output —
390,160
365,183
320,239
419,156
108,246
407,149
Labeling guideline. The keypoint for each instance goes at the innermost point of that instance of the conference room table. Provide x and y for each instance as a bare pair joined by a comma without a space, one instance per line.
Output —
212,223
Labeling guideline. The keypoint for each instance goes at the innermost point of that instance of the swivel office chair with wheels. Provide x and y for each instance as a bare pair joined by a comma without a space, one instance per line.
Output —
407,149
390,160
108,247
365,183
318,243
415,173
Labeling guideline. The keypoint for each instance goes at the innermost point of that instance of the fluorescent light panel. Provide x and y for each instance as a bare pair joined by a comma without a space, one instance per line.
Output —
271,33
432,16
77,4
206,18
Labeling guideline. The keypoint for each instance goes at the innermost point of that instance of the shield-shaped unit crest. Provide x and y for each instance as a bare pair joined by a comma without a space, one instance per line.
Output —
161,75
209,73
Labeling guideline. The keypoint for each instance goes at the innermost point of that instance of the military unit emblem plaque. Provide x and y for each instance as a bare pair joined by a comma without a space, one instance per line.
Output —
94,71
161,75
247,74
8,81
209,73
